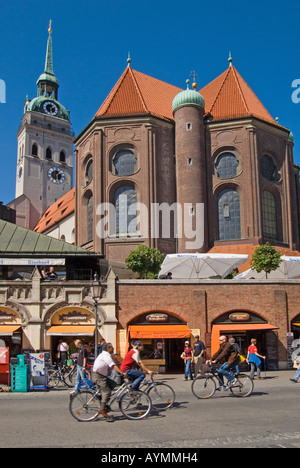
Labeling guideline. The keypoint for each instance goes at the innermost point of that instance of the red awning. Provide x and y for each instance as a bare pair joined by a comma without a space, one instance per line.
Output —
159,331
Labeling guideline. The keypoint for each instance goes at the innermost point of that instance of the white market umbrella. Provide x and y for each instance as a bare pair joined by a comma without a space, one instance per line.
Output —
289,268
195,266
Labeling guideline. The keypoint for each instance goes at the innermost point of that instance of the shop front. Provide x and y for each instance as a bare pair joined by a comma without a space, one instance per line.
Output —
243,326
163,336
70,324
11,333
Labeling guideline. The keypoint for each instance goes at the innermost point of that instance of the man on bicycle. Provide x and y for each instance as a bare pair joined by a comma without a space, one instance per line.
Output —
131,359
102,365
228,357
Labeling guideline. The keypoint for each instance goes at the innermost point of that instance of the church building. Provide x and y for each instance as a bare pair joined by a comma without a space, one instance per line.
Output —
184,171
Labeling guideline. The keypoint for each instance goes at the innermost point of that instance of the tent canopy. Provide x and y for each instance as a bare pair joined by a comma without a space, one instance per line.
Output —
289,268
196,266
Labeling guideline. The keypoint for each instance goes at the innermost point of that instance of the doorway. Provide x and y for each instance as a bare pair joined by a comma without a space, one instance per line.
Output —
174,348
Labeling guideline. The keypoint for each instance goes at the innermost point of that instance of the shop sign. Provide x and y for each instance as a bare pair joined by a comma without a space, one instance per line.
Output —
157,318
31,261
73,316
8,316
239,317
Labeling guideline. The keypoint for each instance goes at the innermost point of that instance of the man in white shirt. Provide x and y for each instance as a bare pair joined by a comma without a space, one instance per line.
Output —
103,364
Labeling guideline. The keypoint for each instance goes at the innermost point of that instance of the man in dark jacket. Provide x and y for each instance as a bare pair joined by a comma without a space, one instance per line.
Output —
228,357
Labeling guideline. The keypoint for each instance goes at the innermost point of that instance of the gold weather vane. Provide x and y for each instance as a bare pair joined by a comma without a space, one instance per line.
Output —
50,29
194,75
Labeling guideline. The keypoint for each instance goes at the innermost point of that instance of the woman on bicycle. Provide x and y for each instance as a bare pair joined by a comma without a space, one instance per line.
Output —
228,357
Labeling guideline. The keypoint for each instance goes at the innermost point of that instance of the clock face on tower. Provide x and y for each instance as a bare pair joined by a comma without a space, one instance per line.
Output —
56,175
50,108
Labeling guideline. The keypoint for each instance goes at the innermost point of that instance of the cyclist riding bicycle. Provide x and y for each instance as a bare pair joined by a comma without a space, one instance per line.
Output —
228,357
102,365
130,360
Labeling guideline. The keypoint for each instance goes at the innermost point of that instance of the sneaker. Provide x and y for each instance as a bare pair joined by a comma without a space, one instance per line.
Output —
293,380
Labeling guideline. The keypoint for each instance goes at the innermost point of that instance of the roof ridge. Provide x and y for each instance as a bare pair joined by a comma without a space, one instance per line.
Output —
219,90
139,90
236,74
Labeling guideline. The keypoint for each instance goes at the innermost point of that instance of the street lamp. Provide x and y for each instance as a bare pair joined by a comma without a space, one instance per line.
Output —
96,289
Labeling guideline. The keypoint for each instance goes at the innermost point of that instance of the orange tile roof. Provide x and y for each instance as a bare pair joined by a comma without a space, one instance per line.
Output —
229,97
226,97
248,249
136,94
57,212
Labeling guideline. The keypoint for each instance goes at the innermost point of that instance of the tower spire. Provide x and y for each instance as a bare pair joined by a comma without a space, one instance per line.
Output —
49,55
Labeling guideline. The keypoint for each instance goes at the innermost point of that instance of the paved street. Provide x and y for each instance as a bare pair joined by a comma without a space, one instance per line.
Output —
269,418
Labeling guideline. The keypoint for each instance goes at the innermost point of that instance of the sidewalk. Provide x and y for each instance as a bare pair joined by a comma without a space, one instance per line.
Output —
273,378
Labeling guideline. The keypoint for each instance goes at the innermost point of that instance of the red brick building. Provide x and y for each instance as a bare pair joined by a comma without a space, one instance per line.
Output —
164,313
152,143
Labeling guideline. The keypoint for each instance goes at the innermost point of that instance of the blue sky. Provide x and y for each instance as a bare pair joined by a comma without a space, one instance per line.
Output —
166,39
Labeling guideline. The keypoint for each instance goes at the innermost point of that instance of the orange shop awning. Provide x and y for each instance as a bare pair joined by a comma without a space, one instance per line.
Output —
8,330
234,328
159,331
71,330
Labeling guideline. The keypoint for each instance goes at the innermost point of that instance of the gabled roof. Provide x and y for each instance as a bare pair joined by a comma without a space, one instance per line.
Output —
57,212
139,94
229,97
18,240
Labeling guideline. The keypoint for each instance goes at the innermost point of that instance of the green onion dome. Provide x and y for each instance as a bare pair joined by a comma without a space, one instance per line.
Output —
189,97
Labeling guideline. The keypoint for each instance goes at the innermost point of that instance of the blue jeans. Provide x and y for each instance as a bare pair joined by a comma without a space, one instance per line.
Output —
225,371
188,369
137,377
80,376
297,375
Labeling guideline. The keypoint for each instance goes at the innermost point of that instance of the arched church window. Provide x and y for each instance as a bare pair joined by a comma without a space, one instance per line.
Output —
229,215
269,169
226,166
90,218
124,163
48,153
34,149
125,202
62,156
89,172
271,213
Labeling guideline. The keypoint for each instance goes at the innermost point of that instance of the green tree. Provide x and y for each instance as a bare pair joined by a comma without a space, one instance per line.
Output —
145,261
266,258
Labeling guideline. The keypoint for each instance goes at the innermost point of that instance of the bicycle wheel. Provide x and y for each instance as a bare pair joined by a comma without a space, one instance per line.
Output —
135,404
84,406
162,395
204,387
243,387
53,378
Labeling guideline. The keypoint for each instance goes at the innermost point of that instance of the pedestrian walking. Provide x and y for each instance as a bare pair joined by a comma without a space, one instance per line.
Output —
237,349
254,359
188,356
297,375
62,350
199,352
81,364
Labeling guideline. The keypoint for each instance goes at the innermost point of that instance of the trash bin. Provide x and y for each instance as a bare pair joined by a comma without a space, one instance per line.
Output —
19,378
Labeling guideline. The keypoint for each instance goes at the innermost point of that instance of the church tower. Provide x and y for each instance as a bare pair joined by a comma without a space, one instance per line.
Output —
45,149
188,110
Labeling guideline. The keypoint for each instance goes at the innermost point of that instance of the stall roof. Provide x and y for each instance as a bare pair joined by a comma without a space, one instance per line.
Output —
16,240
